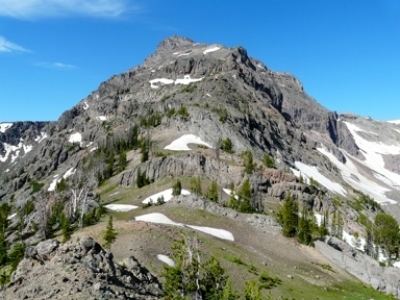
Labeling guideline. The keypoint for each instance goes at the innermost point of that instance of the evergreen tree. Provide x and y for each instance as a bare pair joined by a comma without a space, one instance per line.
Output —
3,249
144,150
213,280
109,234
177,188
245,196
65,227
141,179
212,192
195,185
226,145
288,217
387,234
16,255
268,161
122,161
304,235
248,162
252,291
228,293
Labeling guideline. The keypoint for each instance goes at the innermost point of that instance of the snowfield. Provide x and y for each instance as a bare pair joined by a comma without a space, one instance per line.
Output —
187,80
158,218
166,260
158,82
396,122
312,172
101,118
357,243
75,138
166,195
211,49
12,152
181,144
57,179
352,175
121,207
5,126
40,138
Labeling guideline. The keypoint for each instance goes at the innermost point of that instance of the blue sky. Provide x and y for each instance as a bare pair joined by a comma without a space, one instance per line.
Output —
53,53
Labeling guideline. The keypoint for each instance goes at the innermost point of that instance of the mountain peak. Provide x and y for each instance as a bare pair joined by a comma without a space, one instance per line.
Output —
175,42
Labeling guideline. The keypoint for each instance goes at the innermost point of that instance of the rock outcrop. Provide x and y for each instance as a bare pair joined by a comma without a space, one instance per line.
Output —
79,270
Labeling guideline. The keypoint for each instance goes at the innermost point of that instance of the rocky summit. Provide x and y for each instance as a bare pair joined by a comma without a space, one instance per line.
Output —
200,141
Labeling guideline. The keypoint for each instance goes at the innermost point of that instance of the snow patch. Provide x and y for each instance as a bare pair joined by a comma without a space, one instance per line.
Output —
396,122
313,172
57,179
158,218
319,218
187,80
121,207
12,152
5,126
85,105
166,260
75,138
166,195
12,216
69,173
229,192
181,144
163,81
101,118
211,49
358,243
40,138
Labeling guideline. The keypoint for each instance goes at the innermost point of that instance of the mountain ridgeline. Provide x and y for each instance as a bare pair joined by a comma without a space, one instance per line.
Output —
206,135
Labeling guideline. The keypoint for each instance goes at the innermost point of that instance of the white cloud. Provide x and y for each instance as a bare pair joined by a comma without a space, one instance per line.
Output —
7,46
32,9
55,65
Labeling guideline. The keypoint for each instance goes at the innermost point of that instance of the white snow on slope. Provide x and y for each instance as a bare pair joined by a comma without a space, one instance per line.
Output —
187,80
5,126
12,216
166,260
373,152
219,233
75,138
101,118
158,218
312,172
352,176
166,195
319,218
121,207
358,243
181,144
13,152
163,81
229,192
57,179
211,49
85,105
157,82
397,122
40,138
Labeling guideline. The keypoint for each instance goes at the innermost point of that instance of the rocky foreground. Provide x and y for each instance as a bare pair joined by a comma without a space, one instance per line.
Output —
80,269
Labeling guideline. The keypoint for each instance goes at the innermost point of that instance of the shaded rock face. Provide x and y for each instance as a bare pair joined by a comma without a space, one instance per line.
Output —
80,269
385,279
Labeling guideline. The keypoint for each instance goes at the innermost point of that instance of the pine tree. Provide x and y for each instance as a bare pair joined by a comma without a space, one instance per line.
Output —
109,234
122,161
228,293
252,291
268,161
177,188
288,217
304,235
226,145
3,249
16,255
195,185
245,196
212,192
248,162
65,227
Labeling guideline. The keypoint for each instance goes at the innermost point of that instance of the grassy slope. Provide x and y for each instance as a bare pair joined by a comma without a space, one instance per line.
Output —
303,272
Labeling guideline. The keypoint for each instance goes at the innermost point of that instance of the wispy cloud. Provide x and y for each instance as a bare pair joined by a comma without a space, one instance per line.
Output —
33,9
7,46
55,65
